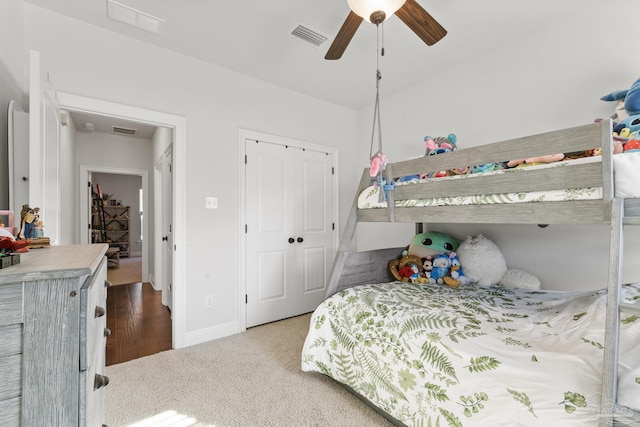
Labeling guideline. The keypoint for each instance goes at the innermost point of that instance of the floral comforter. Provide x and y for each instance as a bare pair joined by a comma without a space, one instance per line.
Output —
473,356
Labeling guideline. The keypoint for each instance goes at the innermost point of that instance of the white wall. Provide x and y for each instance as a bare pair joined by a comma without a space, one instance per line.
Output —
550,80
92,62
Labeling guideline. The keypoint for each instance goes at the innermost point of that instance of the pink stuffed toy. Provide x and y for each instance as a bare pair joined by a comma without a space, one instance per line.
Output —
378,163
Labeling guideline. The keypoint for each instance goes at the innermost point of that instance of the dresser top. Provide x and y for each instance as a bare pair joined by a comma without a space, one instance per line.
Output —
55,262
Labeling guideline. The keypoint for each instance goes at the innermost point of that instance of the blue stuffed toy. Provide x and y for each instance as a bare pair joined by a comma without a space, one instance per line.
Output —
627,127
631,98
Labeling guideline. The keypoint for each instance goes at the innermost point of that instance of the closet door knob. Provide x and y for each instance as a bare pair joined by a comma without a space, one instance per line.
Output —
100,381
107,332
107,284
300,240
100,311
291,240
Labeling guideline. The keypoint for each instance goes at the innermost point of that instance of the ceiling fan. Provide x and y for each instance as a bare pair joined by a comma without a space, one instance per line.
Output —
377,11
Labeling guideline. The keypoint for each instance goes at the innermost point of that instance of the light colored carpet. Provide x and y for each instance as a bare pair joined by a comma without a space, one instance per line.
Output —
249,379
130,271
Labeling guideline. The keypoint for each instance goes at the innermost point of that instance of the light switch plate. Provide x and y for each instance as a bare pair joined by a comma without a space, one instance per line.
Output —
211,202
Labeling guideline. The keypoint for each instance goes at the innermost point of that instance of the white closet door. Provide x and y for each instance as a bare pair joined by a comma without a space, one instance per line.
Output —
313,225
289,239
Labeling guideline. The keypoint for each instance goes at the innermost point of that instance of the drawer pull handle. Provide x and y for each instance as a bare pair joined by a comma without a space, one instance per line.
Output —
107,284
100,381
107,332
100,311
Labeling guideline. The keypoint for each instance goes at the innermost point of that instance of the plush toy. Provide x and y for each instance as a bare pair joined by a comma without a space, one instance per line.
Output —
378,163
441,268
627,120
627,128
632,146
485,167
439,145
421,252
484,264
432,243
457,276
630,97
536,160
407,269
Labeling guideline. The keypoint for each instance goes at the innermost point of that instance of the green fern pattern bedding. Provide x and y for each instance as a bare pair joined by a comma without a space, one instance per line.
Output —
473,356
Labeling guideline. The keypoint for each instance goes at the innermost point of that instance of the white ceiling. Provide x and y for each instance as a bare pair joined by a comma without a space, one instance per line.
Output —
253,37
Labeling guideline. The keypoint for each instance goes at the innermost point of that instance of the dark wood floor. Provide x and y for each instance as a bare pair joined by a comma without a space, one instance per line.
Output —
140,325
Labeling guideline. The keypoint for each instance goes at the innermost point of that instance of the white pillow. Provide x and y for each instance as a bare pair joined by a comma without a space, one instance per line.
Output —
626,174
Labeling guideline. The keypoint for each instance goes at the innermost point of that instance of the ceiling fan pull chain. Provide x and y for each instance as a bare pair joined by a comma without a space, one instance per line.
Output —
382,32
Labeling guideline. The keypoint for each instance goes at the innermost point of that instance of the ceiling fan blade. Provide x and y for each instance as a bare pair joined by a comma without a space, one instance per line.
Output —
423,24
344,36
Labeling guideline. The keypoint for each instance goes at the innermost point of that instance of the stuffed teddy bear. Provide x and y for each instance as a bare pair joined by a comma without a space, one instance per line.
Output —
484,264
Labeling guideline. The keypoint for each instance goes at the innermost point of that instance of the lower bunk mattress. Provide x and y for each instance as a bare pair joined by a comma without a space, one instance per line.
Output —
474,356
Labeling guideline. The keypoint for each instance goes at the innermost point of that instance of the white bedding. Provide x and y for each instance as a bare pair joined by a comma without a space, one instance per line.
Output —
626,178
473,356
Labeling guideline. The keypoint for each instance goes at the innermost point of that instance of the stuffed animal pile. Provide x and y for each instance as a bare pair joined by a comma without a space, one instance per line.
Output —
429,258
437,258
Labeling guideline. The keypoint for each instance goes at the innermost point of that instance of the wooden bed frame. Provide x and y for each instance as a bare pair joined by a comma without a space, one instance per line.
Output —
356,268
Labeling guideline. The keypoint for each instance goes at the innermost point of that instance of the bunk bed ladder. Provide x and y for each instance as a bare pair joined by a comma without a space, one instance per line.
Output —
610,412
344,247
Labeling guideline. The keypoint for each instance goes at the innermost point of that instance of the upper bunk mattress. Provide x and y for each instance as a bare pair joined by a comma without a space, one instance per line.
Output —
626,178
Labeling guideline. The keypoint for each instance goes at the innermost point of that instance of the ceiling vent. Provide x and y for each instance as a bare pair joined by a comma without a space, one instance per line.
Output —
309,36
125,131
130,16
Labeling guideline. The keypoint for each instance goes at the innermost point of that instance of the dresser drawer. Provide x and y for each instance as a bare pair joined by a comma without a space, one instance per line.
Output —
10,340
10,304
93,317
10,376
93,382
10,411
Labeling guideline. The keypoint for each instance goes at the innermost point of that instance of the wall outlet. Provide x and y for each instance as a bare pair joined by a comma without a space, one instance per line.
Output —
208,301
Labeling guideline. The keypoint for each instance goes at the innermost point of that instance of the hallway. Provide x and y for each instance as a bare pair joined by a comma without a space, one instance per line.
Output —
140,325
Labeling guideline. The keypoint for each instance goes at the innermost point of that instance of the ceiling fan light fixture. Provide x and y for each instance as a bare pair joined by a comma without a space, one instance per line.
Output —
365,8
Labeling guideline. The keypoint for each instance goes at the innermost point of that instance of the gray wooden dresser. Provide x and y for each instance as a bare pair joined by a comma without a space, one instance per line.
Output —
52,337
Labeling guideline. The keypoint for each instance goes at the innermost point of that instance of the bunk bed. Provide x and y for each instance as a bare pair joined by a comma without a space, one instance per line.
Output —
413,324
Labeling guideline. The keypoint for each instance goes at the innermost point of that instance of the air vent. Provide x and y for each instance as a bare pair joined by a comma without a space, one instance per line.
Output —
130,16
126,131
309,36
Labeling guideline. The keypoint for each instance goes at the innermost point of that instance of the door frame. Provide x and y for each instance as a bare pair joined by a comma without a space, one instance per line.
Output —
86,172
178,124
244,134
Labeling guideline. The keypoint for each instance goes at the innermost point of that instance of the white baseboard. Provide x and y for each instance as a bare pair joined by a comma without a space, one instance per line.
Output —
209,334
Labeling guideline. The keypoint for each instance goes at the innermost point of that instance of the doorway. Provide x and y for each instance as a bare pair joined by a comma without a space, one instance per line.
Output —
178,126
